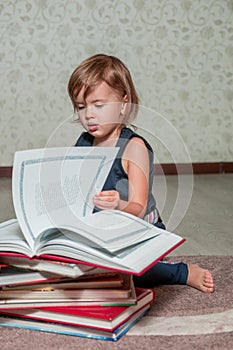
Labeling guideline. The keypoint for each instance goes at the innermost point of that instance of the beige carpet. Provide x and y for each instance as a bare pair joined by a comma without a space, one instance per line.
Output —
180,318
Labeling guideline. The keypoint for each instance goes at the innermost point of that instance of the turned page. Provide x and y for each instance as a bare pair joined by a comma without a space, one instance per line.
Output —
55,186
112,230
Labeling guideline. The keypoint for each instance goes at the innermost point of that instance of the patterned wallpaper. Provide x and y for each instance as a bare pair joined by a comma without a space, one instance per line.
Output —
180,53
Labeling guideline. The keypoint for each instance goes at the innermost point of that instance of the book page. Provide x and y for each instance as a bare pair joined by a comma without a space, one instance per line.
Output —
135,259
12,239
54,183
111,230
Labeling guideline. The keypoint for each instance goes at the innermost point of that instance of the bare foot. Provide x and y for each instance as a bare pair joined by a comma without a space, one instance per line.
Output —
200,279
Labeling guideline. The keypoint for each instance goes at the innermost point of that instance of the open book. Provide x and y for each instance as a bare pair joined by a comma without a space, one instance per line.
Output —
52,195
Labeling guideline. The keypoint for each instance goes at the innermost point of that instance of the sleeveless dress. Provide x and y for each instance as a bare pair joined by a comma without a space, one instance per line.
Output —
118,179
163,272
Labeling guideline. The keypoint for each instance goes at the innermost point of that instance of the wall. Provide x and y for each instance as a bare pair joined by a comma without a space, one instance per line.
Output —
179,53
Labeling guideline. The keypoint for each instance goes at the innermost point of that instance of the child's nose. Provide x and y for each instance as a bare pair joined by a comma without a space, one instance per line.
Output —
89,112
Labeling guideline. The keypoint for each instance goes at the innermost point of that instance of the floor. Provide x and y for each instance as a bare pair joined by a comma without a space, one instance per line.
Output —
199,208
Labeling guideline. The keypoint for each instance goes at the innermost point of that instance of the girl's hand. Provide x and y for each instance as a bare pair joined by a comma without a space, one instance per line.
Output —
107,200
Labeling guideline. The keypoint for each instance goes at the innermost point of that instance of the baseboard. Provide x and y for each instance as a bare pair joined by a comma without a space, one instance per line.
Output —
169,169
194,168
6,171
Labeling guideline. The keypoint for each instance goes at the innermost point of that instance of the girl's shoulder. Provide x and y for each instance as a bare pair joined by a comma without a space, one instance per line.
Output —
129,134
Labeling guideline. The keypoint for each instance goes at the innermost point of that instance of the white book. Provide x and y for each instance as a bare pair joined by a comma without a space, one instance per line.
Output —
52,195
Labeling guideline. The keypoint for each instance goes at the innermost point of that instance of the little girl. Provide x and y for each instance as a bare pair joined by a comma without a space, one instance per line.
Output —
105,101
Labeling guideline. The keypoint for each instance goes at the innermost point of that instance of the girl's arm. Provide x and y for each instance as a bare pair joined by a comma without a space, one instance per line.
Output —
135,162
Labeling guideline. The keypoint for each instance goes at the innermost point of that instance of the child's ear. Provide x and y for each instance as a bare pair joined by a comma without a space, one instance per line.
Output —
124,106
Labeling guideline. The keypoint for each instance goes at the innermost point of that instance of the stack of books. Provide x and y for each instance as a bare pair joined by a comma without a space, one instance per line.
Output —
71,270
100,304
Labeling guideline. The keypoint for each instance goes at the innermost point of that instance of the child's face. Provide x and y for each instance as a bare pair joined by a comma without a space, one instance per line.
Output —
100,113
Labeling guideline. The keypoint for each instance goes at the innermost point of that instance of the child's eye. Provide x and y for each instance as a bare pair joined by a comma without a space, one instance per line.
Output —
99,105
80,107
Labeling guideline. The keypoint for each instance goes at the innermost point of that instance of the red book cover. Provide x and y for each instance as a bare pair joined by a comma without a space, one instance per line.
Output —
98,317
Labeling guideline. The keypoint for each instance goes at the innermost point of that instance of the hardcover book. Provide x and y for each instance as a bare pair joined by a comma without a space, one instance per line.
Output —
15,298
84,332
52,195
106,318
11,275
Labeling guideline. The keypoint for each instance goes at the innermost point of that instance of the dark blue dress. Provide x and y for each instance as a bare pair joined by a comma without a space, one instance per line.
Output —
162,272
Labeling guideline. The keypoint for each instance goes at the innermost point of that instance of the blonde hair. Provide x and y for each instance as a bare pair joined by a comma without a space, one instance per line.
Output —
103,68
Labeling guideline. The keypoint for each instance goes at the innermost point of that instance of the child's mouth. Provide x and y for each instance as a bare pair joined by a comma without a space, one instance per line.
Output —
93,127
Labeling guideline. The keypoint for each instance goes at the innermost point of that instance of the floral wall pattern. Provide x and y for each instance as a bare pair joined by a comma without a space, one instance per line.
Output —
180,54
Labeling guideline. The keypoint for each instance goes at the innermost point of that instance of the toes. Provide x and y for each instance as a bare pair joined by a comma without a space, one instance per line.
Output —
208,279
208,290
